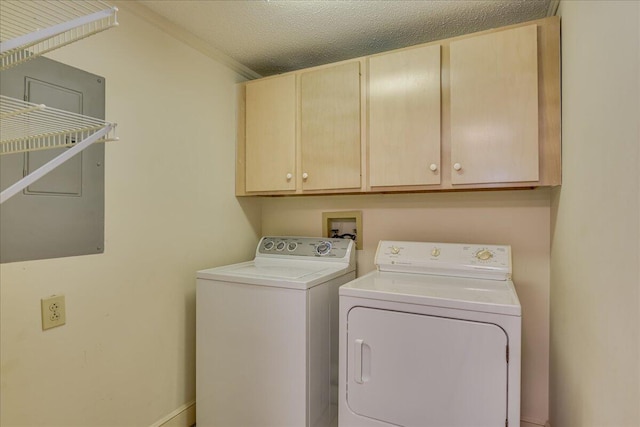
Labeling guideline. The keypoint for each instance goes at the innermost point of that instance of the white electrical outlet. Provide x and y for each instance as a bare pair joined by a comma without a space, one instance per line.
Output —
53,312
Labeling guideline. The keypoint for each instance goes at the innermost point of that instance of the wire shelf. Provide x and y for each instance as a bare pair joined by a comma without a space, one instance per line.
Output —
25,126
31,28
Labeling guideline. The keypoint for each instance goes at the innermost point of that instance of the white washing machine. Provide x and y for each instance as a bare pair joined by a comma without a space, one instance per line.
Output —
267,335
431,339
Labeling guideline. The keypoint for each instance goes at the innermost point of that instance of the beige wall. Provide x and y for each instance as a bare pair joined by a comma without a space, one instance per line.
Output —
519,218
595,309
126,356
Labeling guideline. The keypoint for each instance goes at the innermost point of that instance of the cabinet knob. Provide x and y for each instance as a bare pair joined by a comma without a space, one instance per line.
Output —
305,175
457,166
289,176
433,167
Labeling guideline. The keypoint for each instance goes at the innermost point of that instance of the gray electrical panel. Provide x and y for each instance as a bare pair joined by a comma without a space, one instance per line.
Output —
62,214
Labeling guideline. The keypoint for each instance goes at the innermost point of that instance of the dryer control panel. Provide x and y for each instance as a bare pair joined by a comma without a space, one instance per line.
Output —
445,259
309,247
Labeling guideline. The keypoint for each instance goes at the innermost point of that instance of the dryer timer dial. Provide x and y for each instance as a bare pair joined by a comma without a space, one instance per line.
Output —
484,255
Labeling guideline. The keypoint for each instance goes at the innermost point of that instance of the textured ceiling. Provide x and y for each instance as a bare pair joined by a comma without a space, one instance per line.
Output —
272,37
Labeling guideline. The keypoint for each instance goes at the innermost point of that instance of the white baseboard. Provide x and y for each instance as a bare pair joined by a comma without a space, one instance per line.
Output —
533,423
184,416
528,422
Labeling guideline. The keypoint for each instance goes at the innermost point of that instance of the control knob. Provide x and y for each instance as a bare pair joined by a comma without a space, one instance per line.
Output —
323,248
268,245
484,255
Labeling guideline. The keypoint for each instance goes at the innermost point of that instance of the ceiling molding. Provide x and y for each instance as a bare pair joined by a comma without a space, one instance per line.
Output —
185,36
553,8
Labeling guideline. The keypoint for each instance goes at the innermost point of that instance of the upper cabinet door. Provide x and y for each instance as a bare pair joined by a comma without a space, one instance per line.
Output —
494,107
271,134
404,117
330,127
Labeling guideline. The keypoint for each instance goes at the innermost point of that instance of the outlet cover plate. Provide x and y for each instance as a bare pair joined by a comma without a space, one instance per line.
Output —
53,312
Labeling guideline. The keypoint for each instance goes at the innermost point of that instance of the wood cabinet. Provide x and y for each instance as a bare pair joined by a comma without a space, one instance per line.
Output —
404,117
330,127
479,111
270,138
494,107
300,132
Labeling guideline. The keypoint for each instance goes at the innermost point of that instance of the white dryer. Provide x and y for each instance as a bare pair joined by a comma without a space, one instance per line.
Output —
267,335
431,339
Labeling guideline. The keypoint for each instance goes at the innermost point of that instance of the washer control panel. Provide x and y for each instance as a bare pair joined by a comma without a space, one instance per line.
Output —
305,247
450,259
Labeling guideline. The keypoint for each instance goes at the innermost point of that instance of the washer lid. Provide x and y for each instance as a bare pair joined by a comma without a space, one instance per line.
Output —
490,296
277,273
274,271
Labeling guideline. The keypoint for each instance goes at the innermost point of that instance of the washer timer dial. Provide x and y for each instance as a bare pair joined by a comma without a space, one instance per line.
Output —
323,248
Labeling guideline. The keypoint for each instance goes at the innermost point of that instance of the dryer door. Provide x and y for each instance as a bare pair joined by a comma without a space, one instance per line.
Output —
417,370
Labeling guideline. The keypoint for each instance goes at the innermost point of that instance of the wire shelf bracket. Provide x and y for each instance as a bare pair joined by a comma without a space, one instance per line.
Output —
52,164
26,126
